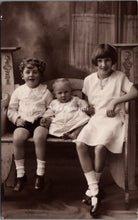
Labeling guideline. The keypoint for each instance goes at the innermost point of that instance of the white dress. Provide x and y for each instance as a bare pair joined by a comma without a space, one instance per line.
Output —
67,116
103,130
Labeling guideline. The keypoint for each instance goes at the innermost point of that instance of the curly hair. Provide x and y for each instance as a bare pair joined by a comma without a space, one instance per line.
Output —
33,62
103,51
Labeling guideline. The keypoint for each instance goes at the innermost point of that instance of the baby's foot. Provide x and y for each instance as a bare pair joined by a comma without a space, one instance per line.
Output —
66,136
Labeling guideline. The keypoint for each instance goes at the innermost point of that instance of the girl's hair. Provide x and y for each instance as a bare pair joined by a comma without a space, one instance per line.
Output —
61,80
33,62
103,51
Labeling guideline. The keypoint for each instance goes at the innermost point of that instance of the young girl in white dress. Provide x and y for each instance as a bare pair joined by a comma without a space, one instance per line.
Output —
106,90
66,111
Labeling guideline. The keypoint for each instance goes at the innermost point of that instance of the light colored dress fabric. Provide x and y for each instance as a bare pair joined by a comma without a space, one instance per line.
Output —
67,116
103,130
29,103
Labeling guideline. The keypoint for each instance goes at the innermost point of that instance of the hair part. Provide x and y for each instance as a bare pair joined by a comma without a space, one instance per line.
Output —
62,80
34,63
104,51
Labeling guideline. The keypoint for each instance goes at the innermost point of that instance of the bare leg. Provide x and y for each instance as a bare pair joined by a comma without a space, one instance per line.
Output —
39,137
19,137
84,157
100,158
89,173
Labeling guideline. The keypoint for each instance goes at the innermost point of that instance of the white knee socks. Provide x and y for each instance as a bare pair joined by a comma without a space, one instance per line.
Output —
40,167
20,168
97,176
92,182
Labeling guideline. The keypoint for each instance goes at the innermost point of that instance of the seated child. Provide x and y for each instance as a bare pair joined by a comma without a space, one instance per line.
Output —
26,111
67,111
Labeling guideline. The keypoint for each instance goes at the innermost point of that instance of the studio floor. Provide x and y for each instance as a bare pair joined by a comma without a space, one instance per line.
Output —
65,186
63,201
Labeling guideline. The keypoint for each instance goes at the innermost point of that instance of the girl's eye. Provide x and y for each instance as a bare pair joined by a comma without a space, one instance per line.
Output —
27,72
99,60
108,59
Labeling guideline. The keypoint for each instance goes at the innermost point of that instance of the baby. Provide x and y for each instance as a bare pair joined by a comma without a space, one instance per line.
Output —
67,111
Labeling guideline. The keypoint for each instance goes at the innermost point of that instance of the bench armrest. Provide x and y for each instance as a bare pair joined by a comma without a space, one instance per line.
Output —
4,106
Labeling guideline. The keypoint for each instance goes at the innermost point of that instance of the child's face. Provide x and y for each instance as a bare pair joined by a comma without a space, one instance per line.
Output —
31,76
62,92
104,65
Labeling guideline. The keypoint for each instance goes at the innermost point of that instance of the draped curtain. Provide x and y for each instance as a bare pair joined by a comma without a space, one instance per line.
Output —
87,31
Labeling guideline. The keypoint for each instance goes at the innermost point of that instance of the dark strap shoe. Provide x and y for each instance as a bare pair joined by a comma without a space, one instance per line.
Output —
86,200
39,183
19,185
95,205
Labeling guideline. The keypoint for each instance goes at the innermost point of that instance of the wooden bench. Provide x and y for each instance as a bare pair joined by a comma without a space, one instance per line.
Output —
121,165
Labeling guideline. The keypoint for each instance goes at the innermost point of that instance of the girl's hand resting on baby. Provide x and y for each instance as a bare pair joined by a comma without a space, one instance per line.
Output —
45,122
111,109
90,110
20,122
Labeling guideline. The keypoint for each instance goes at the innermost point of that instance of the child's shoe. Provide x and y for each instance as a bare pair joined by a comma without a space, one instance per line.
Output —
39,183
86,200
19,185
95,205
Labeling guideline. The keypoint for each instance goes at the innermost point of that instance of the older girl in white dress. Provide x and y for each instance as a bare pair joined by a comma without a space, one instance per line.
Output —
67,111
106,90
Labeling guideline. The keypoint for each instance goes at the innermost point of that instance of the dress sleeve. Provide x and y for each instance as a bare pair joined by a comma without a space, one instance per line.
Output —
49,98
12,112
84,89
50,110
126,84
81,104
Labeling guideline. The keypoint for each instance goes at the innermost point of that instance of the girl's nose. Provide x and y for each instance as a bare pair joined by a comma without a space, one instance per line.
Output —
31,73
103,63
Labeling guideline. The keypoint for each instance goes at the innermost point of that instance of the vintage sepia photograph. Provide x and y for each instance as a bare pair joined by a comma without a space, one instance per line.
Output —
69,109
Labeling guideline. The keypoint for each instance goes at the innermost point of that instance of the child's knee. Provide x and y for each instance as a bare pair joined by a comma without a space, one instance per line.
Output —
20,136
100,149
81,147
39,137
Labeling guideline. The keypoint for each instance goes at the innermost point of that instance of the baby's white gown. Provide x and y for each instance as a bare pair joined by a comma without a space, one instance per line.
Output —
68,116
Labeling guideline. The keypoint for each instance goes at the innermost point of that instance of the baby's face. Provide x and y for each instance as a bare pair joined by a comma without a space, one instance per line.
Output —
62,92
31,76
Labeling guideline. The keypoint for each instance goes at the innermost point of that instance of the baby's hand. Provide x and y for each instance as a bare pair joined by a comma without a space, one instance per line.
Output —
20,122
45,122
90,110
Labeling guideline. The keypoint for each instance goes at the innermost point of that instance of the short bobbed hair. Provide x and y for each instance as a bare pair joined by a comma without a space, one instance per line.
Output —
104,51
31,63
61,81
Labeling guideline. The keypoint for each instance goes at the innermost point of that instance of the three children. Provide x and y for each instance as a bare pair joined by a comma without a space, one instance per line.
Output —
33,110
